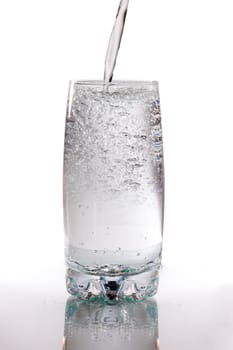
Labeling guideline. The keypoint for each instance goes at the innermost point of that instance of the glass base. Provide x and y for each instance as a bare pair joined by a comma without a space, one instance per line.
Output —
135,287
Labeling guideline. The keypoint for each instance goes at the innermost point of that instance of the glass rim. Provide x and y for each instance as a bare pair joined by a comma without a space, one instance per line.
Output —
115,82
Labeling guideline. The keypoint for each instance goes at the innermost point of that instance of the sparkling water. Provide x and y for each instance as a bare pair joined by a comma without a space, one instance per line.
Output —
113,183
113,179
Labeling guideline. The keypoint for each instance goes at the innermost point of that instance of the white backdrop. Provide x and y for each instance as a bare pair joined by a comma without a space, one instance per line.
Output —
187,46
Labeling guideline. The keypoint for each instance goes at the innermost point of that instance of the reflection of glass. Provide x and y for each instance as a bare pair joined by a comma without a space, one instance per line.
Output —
99,326
113,189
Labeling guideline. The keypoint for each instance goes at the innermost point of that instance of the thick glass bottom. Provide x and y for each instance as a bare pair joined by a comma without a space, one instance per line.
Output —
134,287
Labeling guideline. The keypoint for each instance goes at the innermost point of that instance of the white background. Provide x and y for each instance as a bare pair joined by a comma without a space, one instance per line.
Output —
187,46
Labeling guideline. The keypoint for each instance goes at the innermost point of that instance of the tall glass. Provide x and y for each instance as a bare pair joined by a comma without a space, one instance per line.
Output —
113,189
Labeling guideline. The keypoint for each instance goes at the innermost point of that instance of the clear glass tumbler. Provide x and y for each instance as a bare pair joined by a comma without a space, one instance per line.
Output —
113,189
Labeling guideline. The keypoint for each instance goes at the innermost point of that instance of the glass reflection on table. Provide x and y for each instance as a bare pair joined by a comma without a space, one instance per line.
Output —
121,325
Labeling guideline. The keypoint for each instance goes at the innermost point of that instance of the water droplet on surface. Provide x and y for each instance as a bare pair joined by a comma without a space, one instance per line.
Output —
138,254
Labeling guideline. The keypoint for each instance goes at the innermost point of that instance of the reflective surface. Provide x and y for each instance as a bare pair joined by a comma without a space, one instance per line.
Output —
122,325
188,313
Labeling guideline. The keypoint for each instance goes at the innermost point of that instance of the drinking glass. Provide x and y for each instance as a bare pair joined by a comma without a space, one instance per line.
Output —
113,189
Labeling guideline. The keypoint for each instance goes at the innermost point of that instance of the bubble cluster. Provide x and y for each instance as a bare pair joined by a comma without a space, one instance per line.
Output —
113,143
